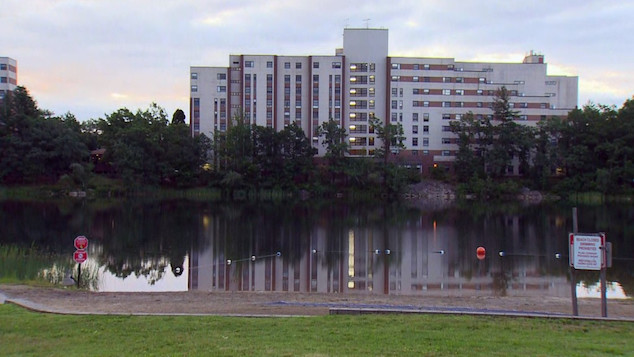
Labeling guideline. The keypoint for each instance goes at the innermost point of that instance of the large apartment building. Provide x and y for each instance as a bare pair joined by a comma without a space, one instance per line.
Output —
362,81
8,75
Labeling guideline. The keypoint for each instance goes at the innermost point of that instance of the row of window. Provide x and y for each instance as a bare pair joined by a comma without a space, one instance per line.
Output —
424,66
4,67
287,65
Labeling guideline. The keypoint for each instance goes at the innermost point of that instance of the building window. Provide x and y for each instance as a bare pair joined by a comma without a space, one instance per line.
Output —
194,87
446,128
482,80
414,129
221,76
394,104
415,117
221,89
425,104
336,65
459,79
287,65
446,116
194,75
425,141
425,66
425,129
446,153
395,92
446,91
446,141
459,91
248,64
298,65
269,64
416,67
298,79
315,65
446,104
425,116
479,92
394,116
446,79
414,141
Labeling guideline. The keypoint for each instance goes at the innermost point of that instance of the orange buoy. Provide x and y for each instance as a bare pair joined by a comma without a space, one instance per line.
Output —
481,252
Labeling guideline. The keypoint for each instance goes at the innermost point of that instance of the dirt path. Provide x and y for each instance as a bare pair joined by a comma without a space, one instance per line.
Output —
273,303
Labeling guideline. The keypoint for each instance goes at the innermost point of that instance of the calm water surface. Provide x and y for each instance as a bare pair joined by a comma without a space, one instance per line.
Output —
328,247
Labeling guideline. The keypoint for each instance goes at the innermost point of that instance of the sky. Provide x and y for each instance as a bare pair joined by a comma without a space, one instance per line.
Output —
92,57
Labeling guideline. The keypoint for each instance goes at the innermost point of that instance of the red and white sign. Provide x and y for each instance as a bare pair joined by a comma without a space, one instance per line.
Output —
81,243
80,256
587,251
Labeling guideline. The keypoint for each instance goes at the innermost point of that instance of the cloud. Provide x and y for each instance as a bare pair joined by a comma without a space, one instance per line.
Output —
73,55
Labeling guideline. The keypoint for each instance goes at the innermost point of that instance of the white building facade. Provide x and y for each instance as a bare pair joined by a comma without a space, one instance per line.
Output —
362,81
8,75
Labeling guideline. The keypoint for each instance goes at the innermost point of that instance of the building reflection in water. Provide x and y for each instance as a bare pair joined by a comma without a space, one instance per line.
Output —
419,257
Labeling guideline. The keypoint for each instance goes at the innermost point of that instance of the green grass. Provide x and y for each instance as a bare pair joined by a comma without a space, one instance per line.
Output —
26,333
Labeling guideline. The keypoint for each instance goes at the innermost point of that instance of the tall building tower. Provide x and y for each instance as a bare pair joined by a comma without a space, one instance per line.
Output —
8,75
362,81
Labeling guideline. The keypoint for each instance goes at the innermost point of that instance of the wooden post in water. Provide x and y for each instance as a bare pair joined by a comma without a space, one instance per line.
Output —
573,278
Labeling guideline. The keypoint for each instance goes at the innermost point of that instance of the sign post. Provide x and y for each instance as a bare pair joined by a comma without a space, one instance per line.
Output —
573,277
588,252
80,255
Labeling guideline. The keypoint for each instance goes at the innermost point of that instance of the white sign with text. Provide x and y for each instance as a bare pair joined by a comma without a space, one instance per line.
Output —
587,251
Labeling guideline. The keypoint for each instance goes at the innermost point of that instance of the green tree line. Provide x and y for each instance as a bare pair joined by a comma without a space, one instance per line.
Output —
592,149
144,148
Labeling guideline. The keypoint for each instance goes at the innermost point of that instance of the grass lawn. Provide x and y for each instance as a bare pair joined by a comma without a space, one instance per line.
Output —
24,333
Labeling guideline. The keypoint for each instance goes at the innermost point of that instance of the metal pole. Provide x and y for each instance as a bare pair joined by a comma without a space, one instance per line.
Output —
604,294
78,274
573,278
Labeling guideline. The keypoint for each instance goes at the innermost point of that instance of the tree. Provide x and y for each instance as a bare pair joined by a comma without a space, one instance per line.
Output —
178,117
391,136
469,159
297,152
144,149
334,138
506,133
34,146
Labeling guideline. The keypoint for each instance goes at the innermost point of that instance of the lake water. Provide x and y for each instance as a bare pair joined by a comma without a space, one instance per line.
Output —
313,246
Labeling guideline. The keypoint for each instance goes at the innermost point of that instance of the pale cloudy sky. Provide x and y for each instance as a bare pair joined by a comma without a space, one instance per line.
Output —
92,57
